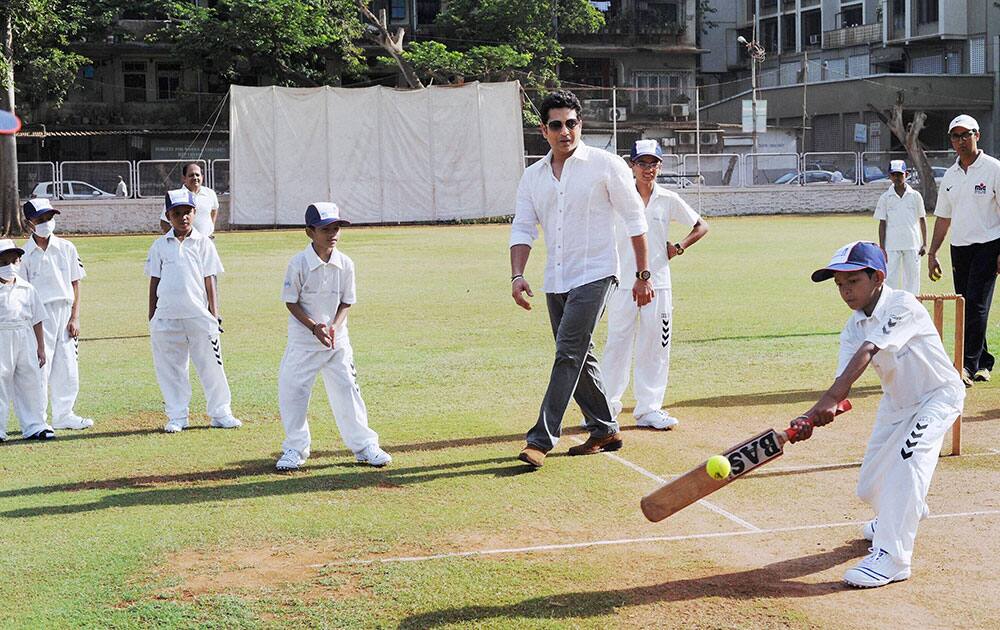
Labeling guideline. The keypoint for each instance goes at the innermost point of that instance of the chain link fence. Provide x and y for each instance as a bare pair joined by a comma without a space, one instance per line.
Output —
839,167
762,169
37,179
717,169
96,180
220,176
156,177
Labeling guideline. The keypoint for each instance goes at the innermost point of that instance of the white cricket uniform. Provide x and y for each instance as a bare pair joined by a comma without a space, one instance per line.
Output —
20,377
183,328
969,199
52,271
320,288
205,201
902,216
652,337
922,396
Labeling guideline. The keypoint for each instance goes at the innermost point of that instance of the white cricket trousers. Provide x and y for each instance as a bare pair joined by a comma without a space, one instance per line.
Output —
175,342
61,382
898,465
21,380
295,383
648,330
903,270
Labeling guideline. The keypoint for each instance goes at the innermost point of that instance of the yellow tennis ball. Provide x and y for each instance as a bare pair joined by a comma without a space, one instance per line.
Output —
718,467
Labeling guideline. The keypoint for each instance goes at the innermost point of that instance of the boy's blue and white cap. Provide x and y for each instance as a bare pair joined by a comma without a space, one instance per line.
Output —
646,147
9,123
34,208
853,257
324,213
897,166
7,245
178,198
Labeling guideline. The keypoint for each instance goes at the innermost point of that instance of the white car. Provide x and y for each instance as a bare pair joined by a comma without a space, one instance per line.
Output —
69,190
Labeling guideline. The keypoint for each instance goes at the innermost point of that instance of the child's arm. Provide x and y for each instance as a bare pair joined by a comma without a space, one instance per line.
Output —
74,317
212,296
923,236
826,407
338,319
154,282
40,340
881,234
318,329
698,230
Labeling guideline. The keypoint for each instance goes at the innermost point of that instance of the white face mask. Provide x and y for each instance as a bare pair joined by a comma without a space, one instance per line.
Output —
8,272
45,230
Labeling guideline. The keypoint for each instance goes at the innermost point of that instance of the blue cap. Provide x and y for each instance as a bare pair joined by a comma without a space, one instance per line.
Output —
9,123
324,213
853,257
177,198
646,147
35,208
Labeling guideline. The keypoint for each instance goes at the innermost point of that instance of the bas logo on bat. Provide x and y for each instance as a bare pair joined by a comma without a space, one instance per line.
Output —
753,452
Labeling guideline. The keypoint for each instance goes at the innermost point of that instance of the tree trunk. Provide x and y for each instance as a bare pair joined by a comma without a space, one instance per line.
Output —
9,214
392,45
909,135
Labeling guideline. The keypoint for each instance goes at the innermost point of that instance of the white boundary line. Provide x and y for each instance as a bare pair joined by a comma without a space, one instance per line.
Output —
625,541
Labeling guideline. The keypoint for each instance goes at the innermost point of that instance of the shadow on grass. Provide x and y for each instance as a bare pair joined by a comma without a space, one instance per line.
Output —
63,435
776,580
772,398
983,416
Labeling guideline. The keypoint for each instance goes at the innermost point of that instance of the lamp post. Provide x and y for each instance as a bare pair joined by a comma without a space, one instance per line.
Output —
757,54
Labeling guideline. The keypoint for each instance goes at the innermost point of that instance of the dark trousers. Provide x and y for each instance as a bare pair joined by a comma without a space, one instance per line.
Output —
575,372
974,269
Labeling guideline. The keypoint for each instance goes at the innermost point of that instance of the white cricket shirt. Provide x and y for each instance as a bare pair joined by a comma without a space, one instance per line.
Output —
969,199
20,305
205,200
182,267
911,361
902,218
320,288
576,213
664,206
53,270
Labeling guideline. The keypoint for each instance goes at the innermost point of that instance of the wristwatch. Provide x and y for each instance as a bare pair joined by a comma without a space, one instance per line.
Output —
678,250
643,275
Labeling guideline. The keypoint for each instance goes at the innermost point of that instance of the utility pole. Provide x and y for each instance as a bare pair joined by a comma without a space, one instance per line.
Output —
805,86
757,55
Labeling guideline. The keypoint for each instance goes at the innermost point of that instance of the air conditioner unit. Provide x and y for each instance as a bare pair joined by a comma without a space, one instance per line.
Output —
668,142
594,103
686,137
679,110
617,113
709,137
814,39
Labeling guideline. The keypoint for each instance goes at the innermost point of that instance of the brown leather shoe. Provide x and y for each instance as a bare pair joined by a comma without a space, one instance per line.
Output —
593,445
532,456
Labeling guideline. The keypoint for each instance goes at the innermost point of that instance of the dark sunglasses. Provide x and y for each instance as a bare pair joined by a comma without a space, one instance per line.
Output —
962,136
557,125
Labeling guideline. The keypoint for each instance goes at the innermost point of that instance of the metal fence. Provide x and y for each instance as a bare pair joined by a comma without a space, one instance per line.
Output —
156,177
95,180
835,167
220,176
771,168
36,179
717,169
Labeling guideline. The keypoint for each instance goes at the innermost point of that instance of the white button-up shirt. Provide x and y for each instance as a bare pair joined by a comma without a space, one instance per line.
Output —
182,267
911,361
53,270
319,288
664,206
969,199
576,213
902,218
205,201
20,305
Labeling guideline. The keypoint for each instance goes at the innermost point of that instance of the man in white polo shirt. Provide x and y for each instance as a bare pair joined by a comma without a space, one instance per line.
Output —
967,203
207,208
902,230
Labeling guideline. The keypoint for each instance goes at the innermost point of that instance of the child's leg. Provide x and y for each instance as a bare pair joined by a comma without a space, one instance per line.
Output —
652,354
894,269
63,373
26,385
206,354
340,379
295,383
170,360
617,359
911,271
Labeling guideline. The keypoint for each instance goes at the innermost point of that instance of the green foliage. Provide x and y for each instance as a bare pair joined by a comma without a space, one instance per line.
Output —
434,62
42,30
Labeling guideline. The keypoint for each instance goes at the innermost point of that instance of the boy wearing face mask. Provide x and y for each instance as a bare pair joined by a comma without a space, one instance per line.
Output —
53,266
22,349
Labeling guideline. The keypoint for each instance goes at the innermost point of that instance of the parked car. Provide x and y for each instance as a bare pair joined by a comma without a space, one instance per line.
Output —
813,177
69,190
675,180
913,179
873,174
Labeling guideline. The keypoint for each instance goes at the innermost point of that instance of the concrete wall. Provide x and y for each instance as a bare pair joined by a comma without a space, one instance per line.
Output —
120,216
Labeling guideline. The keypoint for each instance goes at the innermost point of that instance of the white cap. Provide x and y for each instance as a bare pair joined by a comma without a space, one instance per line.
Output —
179,197
897,166
964,120
6,245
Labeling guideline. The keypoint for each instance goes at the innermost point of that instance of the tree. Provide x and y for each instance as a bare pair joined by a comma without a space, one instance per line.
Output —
909,134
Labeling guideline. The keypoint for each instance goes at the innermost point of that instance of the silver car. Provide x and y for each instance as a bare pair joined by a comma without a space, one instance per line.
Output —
69,190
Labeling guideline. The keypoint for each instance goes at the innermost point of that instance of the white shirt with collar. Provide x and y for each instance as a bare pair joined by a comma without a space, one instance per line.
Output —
320,288
53,270
576,213
902,216
664,206
911,361
205,201
182,267
20,305
969,199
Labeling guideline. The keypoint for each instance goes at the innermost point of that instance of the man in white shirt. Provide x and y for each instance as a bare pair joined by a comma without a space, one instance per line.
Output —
902,230
967,203
207,208
121,190
574,194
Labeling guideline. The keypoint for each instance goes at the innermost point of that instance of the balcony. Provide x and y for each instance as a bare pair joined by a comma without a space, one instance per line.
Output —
630,28
853,36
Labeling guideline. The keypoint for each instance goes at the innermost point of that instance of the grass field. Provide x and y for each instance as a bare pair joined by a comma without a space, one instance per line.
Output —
123,526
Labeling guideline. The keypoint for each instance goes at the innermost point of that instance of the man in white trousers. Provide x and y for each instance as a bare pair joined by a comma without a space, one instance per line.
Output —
53,266
902,230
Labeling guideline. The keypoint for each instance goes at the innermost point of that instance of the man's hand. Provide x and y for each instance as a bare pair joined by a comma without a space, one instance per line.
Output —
922,251
671,251
803,429
642,292
73,328
934,268
321,332
518,288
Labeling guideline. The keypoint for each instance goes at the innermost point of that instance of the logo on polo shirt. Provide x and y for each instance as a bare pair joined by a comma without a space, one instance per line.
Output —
981,188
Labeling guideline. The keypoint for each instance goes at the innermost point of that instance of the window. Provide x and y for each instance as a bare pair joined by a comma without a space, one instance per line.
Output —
660,89
853,15
927,11
769,34
977,55
397,10
790,73
168,81
953,59
858,65
427,11
927,65
812,29
134,81
788,33
663,12
836,69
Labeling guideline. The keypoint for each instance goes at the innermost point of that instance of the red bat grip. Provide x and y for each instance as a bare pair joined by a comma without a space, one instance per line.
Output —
842,407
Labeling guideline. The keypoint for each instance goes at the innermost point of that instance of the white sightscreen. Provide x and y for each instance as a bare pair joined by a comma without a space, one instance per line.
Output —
383,155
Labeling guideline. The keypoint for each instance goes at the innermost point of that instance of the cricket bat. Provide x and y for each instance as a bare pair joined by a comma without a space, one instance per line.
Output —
697,483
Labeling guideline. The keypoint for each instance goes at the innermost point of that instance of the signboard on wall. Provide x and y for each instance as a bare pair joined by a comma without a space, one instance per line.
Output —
181,149
861,133
747,112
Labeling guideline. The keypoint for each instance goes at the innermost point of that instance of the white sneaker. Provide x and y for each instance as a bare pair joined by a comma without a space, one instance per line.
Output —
373,456
878,569
291,459
657,420
72,421
176,426
226,422
868,529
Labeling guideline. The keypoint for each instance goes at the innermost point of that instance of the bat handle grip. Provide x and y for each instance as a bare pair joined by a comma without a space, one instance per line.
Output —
842,407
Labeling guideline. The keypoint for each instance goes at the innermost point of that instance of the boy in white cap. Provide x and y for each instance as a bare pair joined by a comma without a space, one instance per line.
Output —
22,349
319,289
53,266
922,396
184,318
902,230
653,336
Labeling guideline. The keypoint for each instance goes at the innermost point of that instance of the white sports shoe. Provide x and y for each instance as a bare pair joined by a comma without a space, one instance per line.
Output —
72,421
291,459
176,426
373,456
657,420
878,569
227,422
868,529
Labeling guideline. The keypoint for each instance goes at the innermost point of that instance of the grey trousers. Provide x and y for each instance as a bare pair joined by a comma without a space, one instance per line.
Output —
575,371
